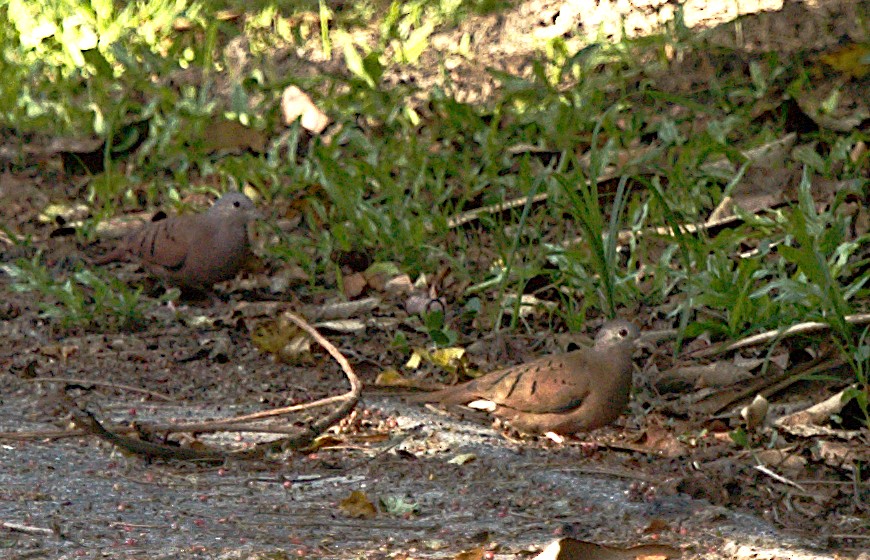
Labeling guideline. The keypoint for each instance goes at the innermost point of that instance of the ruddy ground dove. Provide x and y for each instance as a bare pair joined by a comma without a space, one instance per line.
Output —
574,392
193,250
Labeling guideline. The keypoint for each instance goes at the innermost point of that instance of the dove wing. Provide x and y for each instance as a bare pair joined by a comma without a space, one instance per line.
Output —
550,384
166,243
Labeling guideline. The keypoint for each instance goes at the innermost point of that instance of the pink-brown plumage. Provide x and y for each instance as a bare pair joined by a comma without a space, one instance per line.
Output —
193,250
574,392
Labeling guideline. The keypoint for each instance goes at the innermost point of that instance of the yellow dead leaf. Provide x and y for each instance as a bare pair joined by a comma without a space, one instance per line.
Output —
450,359
324,442
53,211
358,505
418,356
392,378
283,340
273,335
462,459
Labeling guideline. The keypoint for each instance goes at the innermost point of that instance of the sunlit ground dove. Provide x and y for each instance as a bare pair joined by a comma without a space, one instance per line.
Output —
193,251
563,394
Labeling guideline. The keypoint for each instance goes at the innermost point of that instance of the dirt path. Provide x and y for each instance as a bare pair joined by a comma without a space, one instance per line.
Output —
516,497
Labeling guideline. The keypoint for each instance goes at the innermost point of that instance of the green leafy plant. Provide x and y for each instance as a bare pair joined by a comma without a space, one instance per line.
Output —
438,331
85,300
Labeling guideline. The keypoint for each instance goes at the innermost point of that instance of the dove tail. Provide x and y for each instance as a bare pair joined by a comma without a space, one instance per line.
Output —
449,397
114,255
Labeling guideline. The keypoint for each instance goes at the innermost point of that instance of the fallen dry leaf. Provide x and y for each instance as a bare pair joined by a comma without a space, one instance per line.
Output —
358,505
283,340
473,554
223,135
755,412
572,549
354,285
391,377
296,104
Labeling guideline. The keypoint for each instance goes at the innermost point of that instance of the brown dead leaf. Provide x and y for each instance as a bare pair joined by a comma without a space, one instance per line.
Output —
843,455
835,106
763,188
573,549
662,441
280,280
803,422
786,461
60,352
473,554
354,285
657,525
851,59
420,303
223,135
400,284
700,486
378,274
755,412
358,505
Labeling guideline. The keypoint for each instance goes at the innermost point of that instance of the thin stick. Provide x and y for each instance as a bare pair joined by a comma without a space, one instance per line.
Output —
118,386
42,434
29,529
761,338
779,478
212,426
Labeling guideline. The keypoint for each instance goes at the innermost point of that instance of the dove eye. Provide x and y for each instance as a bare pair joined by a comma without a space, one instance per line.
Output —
237,204
623,332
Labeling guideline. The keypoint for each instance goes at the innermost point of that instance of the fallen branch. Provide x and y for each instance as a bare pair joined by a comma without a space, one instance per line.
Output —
41,434
761,338
299,439
29,529
86,421
345,402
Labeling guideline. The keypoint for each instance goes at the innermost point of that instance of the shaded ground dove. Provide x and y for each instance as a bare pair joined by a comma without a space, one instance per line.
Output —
193,251
574,392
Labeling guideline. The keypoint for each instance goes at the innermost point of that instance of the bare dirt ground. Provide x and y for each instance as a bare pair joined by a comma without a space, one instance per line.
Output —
512,497
442,483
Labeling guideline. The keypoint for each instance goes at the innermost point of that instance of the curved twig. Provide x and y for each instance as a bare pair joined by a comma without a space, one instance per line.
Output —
352,395
299,439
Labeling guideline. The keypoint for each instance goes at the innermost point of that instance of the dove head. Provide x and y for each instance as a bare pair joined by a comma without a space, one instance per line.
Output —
234,205
618,332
